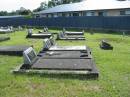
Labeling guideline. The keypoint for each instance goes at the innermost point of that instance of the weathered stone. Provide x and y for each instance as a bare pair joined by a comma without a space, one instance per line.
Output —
105,45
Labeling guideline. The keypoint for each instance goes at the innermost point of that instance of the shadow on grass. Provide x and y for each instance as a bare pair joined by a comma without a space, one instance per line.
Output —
102,31
107,32
60,76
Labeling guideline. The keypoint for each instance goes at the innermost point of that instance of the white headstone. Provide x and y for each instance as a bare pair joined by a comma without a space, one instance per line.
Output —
30,31
29,56
47,44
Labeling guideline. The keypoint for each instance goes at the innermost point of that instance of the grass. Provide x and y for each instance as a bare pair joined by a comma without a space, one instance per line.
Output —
114,67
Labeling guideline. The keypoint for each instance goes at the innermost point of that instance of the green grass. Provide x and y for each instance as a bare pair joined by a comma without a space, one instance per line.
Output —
114,67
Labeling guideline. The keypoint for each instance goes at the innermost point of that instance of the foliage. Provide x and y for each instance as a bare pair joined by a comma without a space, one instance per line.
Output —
53,3
21,11
43,6
3,13
25,12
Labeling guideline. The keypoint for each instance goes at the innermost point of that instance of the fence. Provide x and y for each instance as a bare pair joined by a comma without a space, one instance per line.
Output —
94,22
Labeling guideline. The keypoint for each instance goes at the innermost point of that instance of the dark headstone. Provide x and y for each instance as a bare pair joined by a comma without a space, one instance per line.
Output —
105,45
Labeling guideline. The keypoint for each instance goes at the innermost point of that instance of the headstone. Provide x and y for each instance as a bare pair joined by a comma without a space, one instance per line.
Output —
46,29
83,31
105,45
62,34
47,44
30,32
123,33
29,56
39,31
64,30
52,41
20,28
91,32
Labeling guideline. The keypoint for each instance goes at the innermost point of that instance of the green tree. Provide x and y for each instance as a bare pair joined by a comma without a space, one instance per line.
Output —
52,3
25,12
43,6
3,13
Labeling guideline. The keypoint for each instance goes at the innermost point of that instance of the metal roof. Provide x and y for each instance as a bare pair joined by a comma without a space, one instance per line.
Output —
88,5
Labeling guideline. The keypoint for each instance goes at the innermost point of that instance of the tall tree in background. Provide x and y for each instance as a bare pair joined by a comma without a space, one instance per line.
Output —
52,3
69,1
25,12
3,13
43,6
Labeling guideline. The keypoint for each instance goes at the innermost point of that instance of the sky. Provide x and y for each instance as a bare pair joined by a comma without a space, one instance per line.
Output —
12,5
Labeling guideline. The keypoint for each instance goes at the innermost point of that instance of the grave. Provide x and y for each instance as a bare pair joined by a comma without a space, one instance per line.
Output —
13,50
58,62
46,31
4,38
72,33
49,44
38,35
5,30
105,45
63,36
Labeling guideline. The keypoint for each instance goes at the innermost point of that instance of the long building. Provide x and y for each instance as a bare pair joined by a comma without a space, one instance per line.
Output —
88,8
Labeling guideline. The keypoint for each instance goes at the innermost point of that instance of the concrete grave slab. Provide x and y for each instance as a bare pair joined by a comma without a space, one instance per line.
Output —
38,35
68,62
13,50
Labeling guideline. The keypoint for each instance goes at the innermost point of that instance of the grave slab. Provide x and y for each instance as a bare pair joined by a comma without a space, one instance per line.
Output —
13,50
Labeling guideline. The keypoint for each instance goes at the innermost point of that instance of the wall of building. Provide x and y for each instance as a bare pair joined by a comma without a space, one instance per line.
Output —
104,13
113,13
125,12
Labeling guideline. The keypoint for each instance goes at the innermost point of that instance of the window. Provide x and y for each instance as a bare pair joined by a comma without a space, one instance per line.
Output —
55,15
102,13
76,14
127,12
90,13
63,14
122,12
70,14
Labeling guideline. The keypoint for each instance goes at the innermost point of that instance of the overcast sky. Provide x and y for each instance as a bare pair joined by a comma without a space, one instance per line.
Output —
10,5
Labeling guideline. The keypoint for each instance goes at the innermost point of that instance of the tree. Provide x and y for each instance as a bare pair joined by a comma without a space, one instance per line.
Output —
3,13
52,3
43,6
25,12
59,2
13,13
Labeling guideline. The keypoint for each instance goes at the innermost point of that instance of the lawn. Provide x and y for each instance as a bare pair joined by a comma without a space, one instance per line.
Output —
114,68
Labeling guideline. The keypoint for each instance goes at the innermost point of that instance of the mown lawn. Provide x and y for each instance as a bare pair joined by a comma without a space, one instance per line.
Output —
114,67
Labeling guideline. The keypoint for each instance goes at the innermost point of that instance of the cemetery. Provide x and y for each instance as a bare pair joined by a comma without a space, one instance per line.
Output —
65,48
84,66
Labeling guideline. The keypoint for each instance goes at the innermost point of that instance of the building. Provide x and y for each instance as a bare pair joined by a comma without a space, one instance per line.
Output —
88,8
